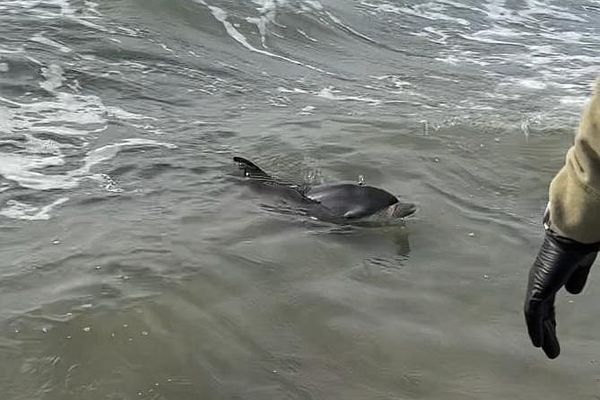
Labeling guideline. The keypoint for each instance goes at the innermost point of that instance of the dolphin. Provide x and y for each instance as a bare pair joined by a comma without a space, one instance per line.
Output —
337,202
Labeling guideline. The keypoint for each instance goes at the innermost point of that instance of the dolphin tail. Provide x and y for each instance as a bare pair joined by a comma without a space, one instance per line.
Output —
250,169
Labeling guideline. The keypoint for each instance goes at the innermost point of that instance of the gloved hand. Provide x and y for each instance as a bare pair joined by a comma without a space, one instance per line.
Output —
560,261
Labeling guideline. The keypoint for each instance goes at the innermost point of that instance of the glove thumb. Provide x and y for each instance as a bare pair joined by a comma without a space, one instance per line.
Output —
578,278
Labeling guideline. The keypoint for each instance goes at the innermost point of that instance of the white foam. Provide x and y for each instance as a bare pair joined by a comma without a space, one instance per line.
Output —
573,100
24,211
39,38
316,5
312,39
329,93
568,37
65,114
353,31
261,24
267,12
22,167
4,49
396,81
109,151
536,7
497,11
442,37
54,77
92,7
307,110
431,11
221,16
294,90
165,47
125,115
455,4
128,31
455,59
25,162
70,115
532,84
60,9
496,35
35,145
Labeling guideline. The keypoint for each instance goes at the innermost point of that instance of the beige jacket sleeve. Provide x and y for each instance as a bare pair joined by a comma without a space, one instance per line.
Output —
575,190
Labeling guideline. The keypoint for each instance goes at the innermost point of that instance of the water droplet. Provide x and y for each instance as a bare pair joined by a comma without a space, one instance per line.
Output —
361,180
496,140
471,234
87,329
486,276
56,241
98,267
112,334
69,336
45,330
125,325
144,333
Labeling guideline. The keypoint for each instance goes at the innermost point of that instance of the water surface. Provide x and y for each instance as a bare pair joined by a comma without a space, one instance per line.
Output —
135,266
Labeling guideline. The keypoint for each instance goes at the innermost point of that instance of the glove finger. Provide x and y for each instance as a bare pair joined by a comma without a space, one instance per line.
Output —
534,318
550,346
578,278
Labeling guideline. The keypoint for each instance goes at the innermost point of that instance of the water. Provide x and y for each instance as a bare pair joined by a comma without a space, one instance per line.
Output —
135,266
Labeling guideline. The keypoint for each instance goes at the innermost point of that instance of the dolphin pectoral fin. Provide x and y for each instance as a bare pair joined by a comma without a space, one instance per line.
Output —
250,169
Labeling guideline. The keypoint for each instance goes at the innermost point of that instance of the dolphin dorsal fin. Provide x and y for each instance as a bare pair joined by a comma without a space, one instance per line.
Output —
254,172
250,169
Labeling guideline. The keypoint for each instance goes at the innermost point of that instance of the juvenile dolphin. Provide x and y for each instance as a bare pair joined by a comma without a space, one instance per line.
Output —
337,202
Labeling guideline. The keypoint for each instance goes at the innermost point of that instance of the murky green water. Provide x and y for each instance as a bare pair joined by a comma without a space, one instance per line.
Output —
136,266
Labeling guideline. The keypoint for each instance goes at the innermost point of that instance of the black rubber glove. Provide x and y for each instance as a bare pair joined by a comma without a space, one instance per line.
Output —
560,261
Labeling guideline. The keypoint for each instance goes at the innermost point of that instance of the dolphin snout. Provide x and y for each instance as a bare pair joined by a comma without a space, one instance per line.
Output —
401,210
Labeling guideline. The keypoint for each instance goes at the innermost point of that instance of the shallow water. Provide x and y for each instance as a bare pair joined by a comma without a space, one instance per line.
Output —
136,266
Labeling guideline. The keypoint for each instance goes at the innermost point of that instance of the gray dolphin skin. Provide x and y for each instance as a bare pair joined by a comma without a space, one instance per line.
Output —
337,202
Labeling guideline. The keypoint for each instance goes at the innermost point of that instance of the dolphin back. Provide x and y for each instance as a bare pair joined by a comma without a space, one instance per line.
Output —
352,201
